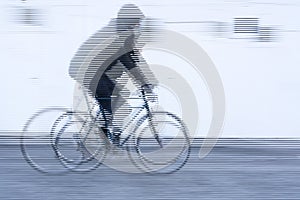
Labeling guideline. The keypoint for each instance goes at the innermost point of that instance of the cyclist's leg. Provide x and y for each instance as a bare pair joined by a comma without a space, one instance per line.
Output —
104,97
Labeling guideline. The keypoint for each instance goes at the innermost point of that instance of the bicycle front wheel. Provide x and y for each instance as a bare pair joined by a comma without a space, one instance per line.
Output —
161,142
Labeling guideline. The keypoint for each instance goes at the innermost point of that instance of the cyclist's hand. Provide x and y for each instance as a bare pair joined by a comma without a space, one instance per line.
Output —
148,90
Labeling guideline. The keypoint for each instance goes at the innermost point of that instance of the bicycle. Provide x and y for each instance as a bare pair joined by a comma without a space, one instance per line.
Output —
93,145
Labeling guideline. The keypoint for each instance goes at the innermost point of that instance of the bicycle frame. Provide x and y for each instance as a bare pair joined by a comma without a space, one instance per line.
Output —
109,135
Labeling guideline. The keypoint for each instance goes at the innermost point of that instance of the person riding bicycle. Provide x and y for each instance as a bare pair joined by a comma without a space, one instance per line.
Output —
100,71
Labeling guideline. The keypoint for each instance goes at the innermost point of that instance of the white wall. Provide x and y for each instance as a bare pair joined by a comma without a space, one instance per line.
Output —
261,79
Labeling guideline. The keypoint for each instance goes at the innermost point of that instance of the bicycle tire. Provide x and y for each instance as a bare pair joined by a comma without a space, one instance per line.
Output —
149,165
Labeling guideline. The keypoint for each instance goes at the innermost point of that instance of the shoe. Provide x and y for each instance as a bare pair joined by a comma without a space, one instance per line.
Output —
116,136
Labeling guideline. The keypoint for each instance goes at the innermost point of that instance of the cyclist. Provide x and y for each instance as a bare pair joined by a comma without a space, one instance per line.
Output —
104,71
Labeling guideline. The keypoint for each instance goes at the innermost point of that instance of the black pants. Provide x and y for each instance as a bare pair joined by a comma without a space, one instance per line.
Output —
104,92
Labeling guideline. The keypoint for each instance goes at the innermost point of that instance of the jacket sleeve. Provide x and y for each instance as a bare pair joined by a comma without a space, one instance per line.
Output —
138,70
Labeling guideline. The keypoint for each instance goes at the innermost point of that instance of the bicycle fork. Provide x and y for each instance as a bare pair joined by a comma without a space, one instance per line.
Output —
149,116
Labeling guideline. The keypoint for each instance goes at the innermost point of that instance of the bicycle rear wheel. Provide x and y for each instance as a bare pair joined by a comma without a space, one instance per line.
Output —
83,129
36,140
